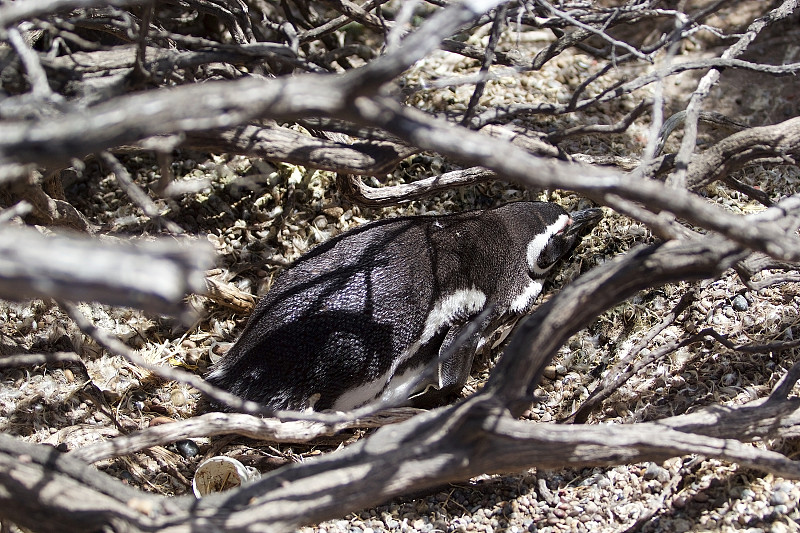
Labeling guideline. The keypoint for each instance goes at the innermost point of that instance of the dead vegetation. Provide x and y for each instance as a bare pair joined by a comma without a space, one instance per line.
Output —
195,148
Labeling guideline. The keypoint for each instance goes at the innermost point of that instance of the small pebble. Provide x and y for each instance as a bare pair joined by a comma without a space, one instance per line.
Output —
159,420
549,372
334,212
187,448
779,497
655,472
178,398
747,494
321,222
778,527
740,303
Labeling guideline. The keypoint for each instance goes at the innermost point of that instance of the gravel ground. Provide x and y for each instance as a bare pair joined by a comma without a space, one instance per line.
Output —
244,214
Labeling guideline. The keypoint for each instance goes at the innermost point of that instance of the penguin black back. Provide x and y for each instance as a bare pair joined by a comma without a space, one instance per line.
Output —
358,318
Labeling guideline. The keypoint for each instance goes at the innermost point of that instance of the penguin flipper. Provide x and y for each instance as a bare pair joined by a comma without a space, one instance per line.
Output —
452,368
455,358
454,361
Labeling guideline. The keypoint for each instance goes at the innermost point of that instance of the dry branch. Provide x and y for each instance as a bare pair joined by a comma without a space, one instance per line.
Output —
357,191
133,117
624,368
541,334
445,445
33,359
154,276
254,427
136,194
779,143
130,118
754,232
276,143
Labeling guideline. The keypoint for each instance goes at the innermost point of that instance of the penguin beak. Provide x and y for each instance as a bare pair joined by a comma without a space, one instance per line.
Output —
582,220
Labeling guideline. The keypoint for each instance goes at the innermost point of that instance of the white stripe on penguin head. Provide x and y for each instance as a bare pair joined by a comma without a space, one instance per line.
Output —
538,243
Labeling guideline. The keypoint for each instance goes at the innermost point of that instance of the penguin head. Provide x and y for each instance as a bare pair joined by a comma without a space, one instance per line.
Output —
561,233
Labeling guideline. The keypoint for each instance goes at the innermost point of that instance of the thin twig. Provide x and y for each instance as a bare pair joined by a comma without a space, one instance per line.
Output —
624,368
591,29
137,195
36,75
254,427
488,58
618,127
36,359
786,384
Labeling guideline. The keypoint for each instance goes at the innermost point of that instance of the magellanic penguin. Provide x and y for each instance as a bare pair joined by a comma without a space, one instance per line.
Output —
357,319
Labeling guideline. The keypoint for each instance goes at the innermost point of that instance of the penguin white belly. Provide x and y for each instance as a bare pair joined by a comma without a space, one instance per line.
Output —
524,302
390,388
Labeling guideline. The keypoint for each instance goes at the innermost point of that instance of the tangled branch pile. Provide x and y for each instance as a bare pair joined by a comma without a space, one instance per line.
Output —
680,117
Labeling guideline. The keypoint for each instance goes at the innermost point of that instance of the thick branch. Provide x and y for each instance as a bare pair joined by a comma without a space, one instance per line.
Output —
211,424
282,144
541,334
780,142
757,233
137,116
53,492
357,191
154,276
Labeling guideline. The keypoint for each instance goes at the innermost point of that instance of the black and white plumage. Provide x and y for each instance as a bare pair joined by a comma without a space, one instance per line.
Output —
358,318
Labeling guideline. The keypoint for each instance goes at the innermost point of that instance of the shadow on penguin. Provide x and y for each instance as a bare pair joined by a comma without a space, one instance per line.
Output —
358,320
